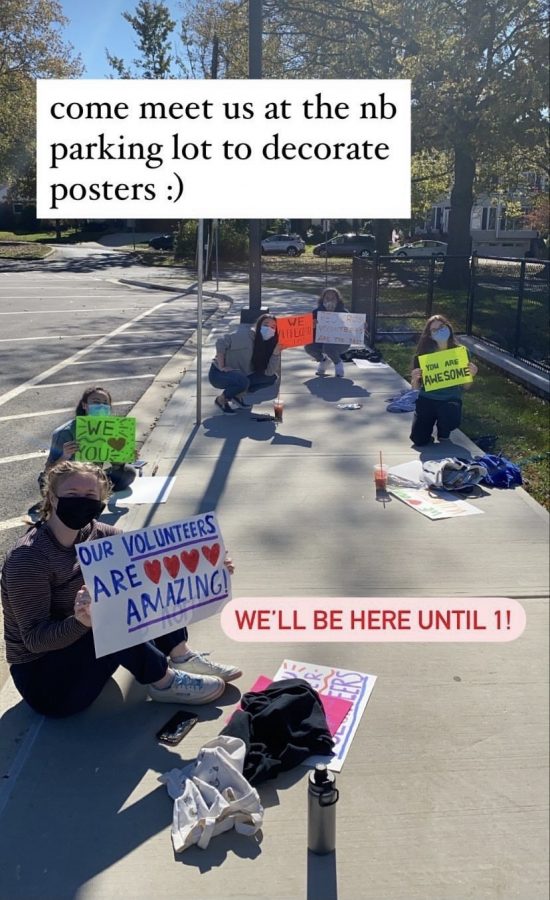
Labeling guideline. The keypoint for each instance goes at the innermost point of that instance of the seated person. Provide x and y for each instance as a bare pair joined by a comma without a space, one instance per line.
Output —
95,401
246,360
46,611
329,301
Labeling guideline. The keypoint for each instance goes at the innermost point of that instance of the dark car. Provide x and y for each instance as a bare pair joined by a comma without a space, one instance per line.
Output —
347,245
162,242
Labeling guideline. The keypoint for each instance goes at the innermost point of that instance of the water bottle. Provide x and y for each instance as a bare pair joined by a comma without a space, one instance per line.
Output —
322,796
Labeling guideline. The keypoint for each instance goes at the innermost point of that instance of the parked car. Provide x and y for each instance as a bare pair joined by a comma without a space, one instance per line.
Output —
291,244
162,242
347,245
419,249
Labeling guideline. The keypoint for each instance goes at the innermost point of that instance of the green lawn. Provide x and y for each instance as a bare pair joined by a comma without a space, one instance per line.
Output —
22,251
496,405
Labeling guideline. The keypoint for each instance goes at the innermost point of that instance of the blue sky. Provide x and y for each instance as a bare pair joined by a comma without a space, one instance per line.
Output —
99,24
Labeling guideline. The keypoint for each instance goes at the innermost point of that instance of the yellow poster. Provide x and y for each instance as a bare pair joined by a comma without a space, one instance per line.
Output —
445,368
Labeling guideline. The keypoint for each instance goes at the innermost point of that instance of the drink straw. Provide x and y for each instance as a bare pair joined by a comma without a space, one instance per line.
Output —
380,461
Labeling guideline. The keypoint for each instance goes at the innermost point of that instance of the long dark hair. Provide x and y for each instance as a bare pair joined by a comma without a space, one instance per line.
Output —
426,343
81,409
262,351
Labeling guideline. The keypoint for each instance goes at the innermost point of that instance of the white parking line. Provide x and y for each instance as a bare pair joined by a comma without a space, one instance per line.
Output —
12,523
54,412
87,362
87,381
21,457
55,337
37,379
69,309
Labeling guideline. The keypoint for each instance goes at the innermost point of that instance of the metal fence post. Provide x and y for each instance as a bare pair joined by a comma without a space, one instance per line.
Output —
519,311
430,294
373,314
471,294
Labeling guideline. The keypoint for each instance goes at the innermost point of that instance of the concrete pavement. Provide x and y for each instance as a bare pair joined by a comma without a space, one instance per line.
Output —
444,791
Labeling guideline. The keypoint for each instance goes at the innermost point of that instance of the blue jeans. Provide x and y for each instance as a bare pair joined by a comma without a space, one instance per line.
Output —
64,682
234,382
333,351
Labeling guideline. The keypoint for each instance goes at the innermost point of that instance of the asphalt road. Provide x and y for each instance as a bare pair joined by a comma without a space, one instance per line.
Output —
65,324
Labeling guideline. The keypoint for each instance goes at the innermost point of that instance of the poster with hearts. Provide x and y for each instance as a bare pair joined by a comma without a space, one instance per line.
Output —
105,439
147,583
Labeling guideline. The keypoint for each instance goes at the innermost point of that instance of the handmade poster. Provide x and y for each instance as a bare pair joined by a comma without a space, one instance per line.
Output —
446,505
105,439
340,328
335,708
147,583
295,331
147,489
336,682
445,368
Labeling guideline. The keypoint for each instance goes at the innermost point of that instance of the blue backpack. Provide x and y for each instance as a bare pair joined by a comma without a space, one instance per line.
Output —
501,472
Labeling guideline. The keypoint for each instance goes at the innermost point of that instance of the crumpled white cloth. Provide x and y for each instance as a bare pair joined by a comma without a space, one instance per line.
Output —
211,795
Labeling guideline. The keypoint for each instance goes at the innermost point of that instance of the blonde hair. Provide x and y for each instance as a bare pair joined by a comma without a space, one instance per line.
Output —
57,475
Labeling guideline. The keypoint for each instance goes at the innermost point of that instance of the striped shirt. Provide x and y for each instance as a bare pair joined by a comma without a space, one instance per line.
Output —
39,583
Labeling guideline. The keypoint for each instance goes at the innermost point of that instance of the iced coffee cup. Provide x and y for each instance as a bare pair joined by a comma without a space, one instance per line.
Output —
278,407
380,476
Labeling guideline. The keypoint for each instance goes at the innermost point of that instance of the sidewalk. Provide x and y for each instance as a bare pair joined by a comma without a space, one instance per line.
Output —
443,793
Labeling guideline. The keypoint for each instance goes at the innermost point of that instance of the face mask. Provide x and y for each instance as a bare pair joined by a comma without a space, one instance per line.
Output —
267,332
99,409
76,512
442,334
330,305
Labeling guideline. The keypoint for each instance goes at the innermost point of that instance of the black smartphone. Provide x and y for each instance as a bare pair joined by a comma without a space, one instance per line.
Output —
174,730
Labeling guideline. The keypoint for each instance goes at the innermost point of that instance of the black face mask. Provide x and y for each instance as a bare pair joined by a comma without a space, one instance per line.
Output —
76,512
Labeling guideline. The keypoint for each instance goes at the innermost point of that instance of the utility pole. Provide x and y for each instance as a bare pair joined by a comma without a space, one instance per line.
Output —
255,16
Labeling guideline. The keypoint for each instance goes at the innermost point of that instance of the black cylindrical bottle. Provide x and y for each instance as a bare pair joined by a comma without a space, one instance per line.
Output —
322,796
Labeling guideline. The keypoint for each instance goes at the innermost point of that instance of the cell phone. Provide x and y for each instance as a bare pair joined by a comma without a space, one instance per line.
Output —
174,730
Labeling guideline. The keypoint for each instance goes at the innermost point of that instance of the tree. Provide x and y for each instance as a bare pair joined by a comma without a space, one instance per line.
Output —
153,26
478,73
30,48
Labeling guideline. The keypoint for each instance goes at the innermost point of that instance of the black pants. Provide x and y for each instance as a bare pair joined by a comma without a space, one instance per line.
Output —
446,413
63,682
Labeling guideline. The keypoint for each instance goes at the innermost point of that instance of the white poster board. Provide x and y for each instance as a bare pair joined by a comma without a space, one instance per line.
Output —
340,328
148,489
149,582
434,505
345,683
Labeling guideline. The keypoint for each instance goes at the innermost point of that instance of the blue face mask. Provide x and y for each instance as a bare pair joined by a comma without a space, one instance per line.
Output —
442,334
99,409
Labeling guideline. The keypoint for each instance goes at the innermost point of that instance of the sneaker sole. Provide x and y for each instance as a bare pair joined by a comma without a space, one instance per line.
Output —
226,678
191,701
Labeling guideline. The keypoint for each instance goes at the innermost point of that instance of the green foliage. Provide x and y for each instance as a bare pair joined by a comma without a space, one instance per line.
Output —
31,47
153,26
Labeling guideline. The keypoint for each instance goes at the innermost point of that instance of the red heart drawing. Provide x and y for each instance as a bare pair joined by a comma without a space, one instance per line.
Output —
116,443
172,565
153,570
190,559
211,553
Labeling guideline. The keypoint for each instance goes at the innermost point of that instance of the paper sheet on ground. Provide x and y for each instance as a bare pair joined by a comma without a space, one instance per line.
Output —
411,471
440,505
336,682
148,489
366,364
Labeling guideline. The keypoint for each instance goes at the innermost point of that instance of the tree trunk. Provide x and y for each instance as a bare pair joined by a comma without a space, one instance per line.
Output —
382,231
456,271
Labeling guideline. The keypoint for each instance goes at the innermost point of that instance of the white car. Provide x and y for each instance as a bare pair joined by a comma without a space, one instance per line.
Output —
421,249
291,244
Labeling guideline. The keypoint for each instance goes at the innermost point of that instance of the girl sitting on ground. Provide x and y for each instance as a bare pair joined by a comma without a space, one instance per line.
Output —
443,406
47,625
95,401
246,361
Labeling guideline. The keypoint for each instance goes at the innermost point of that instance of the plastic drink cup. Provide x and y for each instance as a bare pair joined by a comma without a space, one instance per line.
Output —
278,407
380,476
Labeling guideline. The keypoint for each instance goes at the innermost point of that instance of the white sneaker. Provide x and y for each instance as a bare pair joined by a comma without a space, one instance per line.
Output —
322,367
189,689
339,369
198,664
